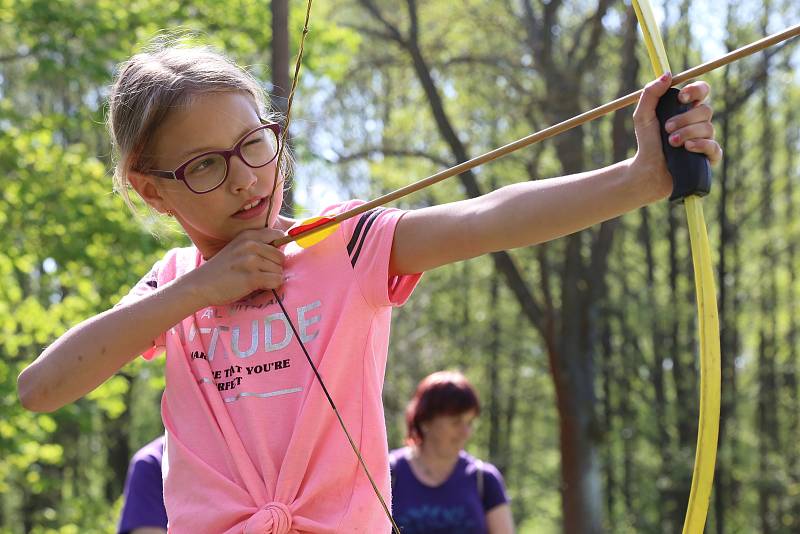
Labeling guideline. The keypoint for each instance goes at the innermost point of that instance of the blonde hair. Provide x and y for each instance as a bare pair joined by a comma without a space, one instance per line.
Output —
167,76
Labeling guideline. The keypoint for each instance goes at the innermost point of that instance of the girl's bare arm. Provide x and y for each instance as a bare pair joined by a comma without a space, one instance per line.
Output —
92,351
533,212
515,216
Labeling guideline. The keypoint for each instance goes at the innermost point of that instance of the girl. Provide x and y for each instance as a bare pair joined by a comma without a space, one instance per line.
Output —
251,443
436,485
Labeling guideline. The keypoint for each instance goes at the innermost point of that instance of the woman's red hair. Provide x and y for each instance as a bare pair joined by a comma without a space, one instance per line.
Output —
442,393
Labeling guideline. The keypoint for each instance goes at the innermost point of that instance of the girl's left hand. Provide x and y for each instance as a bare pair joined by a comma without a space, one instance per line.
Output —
692,130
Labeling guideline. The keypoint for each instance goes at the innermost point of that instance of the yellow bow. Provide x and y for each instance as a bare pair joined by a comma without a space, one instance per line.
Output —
708,319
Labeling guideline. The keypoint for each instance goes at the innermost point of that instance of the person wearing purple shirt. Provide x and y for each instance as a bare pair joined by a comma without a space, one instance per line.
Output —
437,488
143,511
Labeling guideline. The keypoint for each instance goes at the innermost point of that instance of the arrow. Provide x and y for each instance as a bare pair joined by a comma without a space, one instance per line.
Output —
324,226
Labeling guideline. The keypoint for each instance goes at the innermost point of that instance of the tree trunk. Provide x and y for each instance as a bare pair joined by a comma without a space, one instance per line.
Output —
658,341
726,480
791,374
281,82
607,379
493,366
724,471
769,511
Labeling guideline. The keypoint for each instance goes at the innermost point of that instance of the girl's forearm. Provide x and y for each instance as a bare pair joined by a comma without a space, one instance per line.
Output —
520,215
92,351
534,212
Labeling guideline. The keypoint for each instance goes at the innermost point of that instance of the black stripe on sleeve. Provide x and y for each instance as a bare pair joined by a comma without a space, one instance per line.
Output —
351,245
371,220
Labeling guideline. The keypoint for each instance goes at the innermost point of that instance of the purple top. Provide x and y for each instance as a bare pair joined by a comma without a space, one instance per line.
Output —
144,492
456,505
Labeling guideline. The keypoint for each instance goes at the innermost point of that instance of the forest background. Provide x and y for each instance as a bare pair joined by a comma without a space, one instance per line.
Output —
584,350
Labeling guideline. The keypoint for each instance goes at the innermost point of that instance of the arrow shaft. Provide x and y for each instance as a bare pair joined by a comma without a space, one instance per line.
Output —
551,131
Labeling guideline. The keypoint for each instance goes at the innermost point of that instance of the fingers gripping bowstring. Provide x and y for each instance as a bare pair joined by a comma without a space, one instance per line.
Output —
281,149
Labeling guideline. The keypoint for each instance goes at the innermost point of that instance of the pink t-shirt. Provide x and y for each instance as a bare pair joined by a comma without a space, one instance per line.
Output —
252,444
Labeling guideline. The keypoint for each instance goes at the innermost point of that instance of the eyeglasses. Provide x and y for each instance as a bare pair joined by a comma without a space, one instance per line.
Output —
206,172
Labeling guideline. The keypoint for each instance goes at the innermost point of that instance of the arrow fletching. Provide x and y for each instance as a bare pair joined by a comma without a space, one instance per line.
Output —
305,235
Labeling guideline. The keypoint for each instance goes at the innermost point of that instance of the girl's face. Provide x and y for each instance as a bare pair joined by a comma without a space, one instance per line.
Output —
213,121
448,434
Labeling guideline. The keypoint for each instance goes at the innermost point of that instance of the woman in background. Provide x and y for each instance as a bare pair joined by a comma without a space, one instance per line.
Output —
143,511
438,488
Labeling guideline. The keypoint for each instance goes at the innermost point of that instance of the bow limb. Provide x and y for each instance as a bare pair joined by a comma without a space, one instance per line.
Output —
708,320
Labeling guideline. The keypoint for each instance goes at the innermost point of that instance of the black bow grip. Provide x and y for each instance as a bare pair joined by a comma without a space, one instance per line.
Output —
691,172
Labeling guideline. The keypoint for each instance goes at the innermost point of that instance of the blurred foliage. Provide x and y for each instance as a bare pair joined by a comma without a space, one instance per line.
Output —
69,248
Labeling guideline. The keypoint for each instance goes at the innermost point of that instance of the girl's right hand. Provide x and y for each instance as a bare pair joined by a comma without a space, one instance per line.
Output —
248,263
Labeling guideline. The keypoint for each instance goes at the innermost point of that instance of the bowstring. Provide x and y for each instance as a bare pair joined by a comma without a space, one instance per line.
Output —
321,382
395,528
